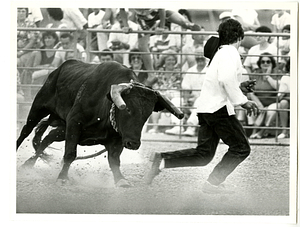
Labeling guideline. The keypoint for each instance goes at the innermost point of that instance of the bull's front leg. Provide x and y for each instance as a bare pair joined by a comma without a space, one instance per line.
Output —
72,138
114,150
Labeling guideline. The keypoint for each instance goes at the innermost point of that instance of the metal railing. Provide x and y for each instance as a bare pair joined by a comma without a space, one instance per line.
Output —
89,52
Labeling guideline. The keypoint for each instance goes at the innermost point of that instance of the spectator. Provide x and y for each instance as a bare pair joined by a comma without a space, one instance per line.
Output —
108,20
25,39
284,47
35,15
122,42
67,43
169,81
247,17
280,19
284,100
148,20
184,39
192,82
264,93
160,43
263,46
188,59
74,18
284,103
94,20
106,55
44,58
137,65
55,16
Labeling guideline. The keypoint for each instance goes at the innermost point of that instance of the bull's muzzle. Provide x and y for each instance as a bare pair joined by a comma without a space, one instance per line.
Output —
132,145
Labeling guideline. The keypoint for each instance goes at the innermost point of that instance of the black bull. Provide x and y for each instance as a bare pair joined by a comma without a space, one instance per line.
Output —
80,98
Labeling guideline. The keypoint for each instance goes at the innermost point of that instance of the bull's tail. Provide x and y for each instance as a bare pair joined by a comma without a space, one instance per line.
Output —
39,132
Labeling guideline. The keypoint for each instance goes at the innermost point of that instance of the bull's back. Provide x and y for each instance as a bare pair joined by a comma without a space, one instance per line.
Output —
75,78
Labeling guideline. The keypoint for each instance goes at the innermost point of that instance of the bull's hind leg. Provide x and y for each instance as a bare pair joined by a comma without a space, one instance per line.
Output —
55,135
114,151
35,115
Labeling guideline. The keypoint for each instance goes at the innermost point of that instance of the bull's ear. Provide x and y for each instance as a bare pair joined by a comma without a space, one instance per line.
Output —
164,103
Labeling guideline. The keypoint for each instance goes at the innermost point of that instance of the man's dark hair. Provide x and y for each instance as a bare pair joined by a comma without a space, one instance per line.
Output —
230,31
56,13
66,35
106,52
264,29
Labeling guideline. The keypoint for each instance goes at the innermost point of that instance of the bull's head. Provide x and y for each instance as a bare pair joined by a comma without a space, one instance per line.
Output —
134,104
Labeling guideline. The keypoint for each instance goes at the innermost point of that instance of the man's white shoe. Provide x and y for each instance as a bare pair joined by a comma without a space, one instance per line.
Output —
173,131
215,189
190,131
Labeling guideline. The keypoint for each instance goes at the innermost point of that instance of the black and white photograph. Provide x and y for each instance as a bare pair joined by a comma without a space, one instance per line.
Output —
153,113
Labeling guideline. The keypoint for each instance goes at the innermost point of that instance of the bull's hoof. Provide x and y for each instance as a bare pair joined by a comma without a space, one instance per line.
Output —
46,158
123,183
63,182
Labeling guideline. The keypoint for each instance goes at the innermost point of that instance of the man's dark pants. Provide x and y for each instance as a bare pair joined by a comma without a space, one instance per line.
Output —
213,127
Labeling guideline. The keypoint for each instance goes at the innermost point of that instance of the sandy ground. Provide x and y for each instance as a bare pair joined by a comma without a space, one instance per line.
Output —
261,184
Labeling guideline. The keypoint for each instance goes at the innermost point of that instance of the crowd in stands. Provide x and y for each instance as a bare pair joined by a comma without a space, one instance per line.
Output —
171,63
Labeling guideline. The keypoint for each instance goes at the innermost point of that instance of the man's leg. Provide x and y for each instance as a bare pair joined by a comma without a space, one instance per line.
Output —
232,133
200,156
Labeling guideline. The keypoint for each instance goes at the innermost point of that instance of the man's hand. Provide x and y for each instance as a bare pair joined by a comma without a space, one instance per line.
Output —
127,30
159,30
247,86
251,108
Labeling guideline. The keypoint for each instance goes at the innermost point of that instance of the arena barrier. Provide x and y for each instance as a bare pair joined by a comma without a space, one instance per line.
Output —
23,105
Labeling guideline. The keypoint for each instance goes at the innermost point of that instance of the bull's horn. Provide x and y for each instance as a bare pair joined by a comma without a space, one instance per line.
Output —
115,93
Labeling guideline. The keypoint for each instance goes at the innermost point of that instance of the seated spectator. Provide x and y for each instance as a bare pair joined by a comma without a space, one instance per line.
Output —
192,83
169,81
188,59
137,65
25,39
280,19
106,55
55,16
122,42
264,95
284,47
263,46
43,59
284,103
67,45
161,42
